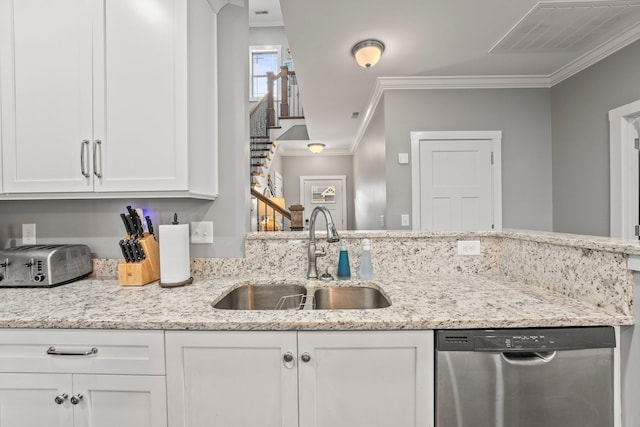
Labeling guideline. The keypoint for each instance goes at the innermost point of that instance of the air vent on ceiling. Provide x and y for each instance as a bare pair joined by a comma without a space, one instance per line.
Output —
569,26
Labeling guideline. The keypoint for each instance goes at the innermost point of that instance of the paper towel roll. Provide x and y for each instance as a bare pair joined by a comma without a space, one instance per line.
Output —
175,265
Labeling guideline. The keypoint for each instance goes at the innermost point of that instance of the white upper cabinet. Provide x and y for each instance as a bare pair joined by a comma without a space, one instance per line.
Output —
95,97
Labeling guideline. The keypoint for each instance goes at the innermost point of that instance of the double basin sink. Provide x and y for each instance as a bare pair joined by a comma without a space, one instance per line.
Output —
298,297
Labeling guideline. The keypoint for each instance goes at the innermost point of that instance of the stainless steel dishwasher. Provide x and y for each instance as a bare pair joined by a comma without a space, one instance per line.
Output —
556,377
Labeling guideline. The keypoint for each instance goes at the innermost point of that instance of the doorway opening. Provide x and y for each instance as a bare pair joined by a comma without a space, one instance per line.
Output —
624,159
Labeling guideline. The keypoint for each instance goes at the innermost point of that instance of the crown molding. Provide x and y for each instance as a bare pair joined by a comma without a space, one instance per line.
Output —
441,82
595,55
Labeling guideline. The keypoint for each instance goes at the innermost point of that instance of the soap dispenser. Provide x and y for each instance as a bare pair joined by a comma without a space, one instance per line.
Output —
366,267
344,271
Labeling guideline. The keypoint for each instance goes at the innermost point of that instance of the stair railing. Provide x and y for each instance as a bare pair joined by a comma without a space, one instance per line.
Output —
268,212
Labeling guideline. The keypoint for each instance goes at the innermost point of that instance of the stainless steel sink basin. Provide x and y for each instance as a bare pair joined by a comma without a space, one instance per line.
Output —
349,298
263,297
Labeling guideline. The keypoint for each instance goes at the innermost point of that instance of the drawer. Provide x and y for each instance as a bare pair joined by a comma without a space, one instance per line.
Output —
82,351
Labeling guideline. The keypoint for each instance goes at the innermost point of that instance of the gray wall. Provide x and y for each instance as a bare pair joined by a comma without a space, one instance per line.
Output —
523,116
97,222
296,166
580,124
369,177
261,36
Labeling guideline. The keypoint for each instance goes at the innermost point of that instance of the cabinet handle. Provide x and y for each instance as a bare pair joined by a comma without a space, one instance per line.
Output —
288,357
97,143
76,399
61,398
306,357
84,145
52,351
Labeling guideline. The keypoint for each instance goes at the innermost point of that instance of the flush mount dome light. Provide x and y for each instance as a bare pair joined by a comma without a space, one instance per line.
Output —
315,147
367,52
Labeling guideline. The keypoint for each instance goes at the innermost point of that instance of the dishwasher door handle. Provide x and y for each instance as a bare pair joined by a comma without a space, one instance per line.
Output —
528,358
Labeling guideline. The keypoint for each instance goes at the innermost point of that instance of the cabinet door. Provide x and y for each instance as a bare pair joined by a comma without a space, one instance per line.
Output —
119,400
45,90
231,379
29,400
140,95
366,379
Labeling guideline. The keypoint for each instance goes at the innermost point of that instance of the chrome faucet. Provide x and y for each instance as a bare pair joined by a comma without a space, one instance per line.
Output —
312,251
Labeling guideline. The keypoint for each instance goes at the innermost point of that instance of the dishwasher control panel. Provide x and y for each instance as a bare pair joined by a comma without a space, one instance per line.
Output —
510,340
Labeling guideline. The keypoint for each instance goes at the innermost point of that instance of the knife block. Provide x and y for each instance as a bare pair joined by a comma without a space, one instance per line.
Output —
141,272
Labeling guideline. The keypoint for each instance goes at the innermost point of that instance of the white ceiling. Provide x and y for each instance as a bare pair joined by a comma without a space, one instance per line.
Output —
435,38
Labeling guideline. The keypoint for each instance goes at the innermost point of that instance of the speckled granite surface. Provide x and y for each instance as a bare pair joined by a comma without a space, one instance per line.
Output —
424,302
520,279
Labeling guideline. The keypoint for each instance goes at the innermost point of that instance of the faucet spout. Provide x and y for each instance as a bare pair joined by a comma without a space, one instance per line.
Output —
312,250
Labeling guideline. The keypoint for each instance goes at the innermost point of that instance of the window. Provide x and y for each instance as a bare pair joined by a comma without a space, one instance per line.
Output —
263,59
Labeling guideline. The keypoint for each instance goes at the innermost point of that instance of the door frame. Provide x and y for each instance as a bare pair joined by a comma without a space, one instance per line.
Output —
342,178
496,141
623,169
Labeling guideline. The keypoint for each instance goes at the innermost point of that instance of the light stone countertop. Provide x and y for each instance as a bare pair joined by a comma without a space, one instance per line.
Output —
425,302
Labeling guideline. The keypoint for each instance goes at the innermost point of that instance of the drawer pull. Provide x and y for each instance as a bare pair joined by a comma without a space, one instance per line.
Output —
52,350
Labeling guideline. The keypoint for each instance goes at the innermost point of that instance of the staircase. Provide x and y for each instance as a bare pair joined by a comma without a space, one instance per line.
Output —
263,119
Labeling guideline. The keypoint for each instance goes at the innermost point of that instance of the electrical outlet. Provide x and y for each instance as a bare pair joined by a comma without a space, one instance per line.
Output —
468,247
404,220
202,232
28,234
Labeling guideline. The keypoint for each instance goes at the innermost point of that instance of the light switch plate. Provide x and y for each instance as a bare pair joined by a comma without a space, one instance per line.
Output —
202,232
403,158
28,234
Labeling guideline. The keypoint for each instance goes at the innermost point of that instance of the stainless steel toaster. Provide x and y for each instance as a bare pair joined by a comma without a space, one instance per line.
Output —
43,265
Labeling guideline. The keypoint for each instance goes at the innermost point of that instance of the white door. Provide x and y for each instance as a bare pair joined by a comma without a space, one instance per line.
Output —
327,191
455,182
231,379
29,400
45,89
119,401
366,379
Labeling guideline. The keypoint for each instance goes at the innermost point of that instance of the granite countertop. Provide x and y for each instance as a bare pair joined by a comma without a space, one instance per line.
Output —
427,302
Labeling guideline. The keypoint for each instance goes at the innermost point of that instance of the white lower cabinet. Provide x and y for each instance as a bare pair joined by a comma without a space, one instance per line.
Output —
305,379
82,378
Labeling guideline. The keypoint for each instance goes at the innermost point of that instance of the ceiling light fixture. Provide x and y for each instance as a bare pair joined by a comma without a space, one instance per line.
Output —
367,52
315,147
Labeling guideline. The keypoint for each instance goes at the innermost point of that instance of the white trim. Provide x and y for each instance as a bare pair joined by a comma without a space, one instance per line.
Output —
623,169
595,55
441,82
342,178
496,139
617,380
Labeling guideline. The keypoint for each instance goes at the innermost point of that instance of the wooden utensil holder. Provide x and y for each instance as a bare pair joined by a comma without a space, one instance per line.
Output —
141,272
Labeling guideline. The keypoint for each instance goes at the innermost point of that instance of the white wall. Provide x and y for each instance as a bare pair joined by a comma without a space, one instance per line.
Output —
523,116
369,177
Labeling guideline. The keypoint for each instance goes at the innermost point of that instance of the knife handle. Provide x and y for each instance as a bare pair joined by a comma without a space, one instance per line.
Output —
125,253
